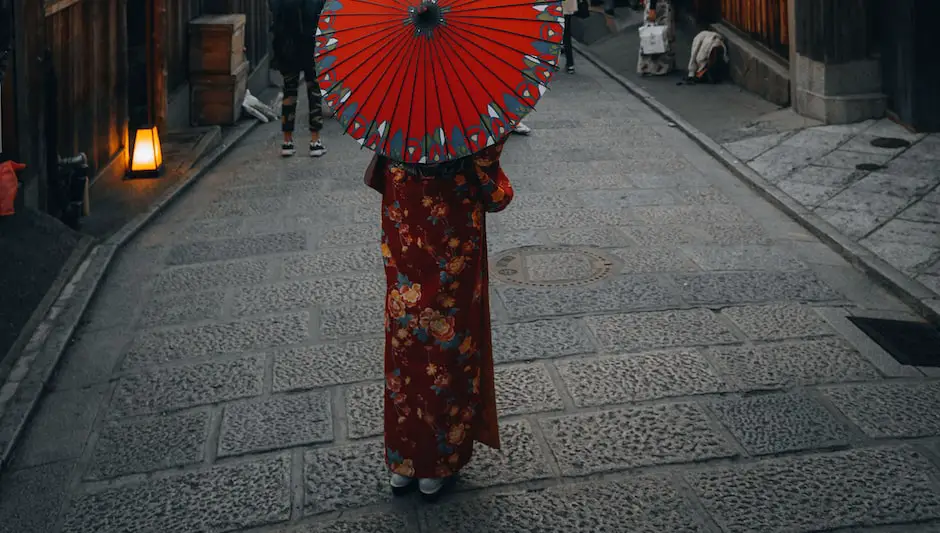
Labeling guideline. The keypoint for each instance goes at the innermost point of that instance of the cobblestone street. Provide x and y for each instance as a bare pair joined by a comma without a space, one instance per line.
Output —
673,355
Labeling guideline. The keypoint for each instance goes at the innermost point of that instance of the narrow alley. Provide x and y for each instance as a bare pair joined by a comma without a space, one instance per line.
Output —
673,355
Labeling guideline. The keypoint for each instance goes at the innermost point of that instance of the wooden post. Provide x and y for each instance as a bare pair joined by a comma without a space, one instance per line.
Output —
29,23
833,31
158,67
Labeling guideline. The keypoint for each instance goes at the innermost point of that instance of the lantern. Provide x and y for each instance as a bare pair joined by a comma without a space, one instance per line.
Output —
147,155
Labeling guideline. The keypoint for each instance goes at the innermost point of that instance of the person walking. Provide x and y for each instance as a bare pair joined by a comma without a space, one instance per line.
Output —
440,393
660,13
294,30
568,9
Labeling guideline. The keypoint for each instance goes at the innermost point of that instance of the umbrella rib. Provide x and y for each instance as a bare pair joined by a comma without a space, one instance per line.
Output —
513,91
387,136
464,22
388,66
386,6
358,112
448,85
482,86
354,69
427,134
352,28
462,15
459,82
414,85
450,4
457,6
502,59
361,50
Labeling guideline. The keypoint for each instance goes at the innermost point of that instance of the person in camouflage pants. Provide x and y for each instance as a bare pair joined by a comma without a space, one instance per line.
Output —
294,29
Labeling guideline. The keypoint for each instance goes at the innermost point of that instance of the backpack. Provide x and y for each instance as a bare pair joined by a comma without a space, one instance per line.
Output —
293,39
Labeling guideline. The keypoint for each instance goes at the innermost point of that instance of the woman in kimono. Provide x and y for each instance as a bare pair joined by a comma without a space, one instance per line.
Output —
439,387
660,13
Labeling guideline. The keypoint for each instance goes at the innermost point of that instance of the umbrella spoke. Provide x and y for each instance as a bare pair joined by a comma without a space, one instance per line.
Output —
484,69
390,23
388,66
363,49
353,69
396,108
483,4
459,29
484,89
515,33
458,7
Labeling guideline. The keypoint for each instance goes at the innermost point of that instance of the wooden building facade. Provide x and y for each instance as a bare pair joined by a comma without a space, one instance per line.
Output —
890,42
85,72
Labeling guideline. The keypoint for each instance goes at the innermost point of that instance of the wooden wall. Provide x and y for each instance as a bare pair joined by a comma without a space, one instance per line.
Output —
87,47
765,21
179,13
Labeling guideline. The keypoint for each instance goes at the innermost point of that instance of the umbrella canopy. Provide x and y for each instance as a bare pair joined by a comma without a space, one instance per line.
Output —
432,81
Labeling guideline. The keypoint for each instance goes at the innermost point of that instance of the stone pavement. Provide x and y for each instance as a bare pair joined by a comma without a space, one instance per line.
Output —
673,356
893,211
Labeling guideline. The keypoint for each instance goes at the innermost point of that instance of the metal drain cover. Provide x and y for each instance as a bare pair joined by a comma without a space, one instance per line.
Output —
553,266
889,142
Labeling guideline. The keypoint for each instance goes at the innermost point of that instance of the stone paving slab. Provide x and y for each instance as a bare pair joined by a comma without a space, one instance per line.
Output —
228,377
224,498
619,439
278,422
783,365
145,445
899,410
663,329
779,423
645,504
638,377
884,209
860,487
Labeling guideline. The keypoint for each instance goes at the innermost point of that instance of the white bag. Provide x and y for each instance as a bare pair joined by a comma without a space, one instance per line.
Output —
652,39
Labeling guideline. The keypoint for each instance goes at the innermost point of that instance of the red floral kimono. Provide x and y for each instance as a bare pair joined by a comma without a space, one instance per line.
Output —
440,393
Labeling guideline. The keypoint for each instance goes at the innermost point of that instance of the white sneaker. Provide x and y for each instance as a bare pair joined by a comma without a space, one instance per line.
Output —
522,129
401,484
287,148
317,149
431,488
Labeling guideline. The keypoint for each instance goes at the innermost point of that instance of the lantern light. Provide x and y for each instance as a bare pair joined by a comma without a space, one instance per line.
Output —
147,156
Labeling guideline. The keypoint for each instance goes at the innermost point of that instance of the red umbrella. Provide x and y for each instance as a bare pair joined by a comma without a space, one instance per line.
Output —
434,80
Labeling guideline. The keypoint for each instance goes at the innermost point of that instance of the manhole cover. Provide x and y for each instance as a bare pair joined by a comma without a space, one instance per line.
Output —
889,142
553,266
869,167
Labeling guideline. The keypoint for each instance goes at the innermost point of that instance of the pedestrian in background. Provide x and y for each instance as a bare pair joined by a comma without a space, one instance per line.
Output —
568,9
660,13
440,392
294,30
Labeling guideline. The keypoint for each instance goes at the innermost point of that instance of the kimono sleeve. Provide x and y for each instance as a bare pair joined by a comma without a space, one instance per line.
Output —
495,188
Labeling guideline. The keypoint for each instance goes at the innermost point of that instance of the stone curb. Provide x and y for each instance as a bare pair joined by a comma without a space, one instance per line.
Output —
21,393
908,290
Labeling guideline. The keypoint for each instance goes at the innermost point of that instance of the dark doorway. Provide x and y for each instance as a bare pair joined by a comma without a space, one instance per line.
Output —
910,65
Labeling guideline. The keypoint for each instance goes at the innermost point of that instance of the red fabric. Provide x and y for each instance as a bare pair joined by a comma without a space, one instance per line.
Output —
8,186
440,392
436,94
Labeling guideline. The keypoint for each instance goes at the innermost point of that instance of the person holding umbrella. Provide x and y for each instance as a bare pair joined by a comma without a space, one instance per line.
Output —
294,24
436,100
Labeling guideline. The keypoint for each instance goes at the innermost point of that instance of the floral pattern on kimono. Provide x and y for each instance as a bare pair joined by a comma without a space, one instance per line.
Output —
439,389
